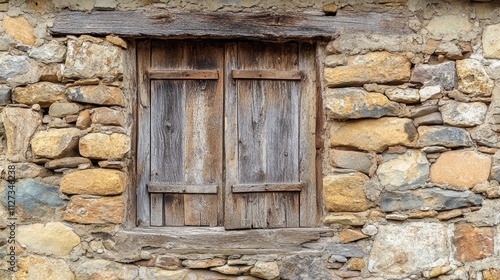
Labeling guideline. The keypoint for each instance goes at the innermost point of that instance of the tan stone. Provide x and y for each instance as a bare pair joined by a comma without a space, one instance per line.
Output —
55,143
104,146
491,41
449,27
20,124
39,268
168,262
51,238
20,29
94,181
107,116
448,215
98,269
83,120
462,169
204,263
43,93
491,274
63,109
231,270
344,219
116,41
436,271
472,243
67,162
373,134
472,78
27,170
84,209
345,192
423,214
350,235
377,67
101,95
355,264
265,270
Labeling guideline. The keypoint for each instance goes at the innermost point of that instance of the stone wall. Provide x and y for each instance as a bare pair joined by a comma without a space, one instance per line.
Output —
411,165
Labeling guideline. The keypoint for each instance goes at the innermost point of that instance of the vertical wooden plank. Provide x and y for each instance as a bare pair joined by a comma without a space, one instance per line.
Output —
156,209
144,132
202,210
320,126
307,140
174,209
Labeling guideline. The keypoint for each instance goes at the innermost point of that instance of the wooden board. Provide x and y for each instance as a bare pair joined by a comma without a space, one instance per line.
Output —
159,22
183,75
169,188
267,74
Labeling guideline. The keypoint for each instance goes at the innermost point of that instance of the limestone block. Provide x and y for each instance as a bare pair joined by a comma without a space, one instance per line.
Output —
449,27
356,264
358,161
403,95
55,143
27,170
206,263
67,162
345,192
103,269
472,243
107,116
84,209
83,120
43,93
463,114
472,78
116,41
349,219
20,29
94,181
51,238
36,267
104,146
265,270
447,136
405,170
430,92
491,41
13,65
51,52
432,118
20,124
63,109
350,235
101,95
442,74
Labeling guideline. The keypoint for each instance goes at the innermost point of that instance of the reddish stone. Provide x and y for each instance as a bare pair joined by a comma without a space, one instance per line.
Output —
472,243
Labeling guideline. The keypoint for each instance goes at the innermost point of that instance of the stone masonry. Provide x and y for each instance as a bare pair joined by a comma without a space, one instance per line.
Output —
410,161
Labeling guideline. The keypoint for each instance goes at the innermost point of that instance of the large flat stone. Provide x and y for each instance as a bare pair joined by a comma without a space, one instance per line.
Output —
55,143
297,268
405,170
104,146
20,124
463,114
13,65
84,209
101,95
36,268
449,26
27,170
51,52
345,192
461,169
20,29
63,109
447,136
472,243
376,67
431,198
52,238
99,269
491,41
442,74
94,181
373,134
403,95
356,103
358,161
43,93
107,116
67,162
472,78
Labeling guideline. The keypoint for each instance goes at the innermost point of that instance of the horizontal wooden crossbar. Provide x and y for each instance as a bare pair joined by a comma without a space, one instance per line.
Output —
183,74
156,187
267,74
249,188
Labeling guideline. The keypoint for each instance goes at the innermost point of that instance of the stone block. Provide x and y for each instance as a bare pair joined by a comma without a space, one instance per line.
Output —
405,170
432,118
295,267
206,263
472,243
94,181
5,95
36,267
52,238
265,270
20,29
27,170
473,79
463,114
107,116
491,274
345,192
403,95
55,143
430,92
52,52
349,219
446,136
442,74
491,41
449,26
13,65
99,269
67,162
60,110
84,209
350,235
42,93
100,95
359,161
104,146
20,124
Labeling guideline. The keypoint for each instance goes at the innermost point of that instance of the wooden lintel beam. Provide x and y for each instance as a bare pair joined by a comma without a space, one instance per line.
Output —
161,23
183,74
285,187
267,74
155,187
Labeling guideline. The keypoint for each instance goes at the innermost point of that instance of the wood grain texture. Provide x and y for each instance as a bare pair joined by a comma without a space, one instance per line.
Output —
267,74
286,187
157,209
156,187
184,74
158,22
174,209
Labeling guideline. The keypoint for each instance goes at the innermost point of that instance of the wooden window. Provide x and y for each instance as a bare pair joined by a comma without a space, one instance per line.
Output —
226,134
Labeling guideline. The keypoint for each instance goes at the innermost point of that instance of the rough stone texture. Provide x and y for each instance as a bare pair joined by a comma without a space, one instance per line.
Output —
449,27
403,95
472,78
86,60
461,169
63,109
401,171
5,95
299,268
430,92
356,264
52,238
377,67
488,215
101,95
104,146
43,93
107,116
19,124
373,135
345,192
55,143
83,120
20,29
103,269
491,274
442,74
472,243
463,114
84,209
432,118
67,162
491,41
358,161
94,181
38,268
169,262
265,270
116,41
344,219
355,103
447,136
430,198
13,65
392,256
204,263
51,52
27,170
350,235
231,270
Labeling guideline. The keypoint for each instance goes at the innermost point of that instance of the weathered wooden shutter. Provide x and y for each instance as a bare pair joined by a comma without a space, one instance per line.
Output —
186,133
269,144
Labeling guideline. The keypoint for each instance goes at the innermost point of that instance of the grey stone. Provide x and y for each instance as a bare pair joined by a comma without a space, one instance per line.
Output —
105,4
447,136
403,95
297,268
67,162
12,65
63,109
420,111
370,230
352,160
488,215
430,92
35,198
403,171
51,52
433,118
442,74
102,95
431,198
5,95
27,170
346,250
6,42
463,114
355,103
20,124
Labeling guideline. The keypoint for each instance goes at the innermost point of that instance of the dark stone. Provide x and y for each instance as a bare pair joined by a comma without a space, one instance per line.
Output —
346,250
447,136
433,118
432,75
432,198
5,95
297,268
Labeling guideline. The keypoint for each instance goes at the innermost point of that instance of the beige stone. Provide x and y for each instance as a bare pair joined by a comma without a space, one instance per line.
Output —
355,264
67,162
373,134
51,238
101,95
231,270
491,41
27,170
98,269
104,146
107,116
472,243
43,93
345,192
472,78
167,262
94,181
204,263
491,274
350,235
83,120
265,270
376,67
84,209
462,169
348,219
63,109
403,170
40,268
116,41
55,143
20,124
449,26
20,29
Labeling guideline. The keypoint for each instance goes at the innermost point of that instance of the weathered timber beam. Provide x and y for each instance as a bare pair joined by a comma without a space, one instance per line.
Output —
161,23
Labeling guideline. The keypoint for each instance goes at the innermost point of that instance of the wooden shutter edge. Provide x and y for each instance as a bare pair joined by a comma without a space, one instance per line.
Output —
246,188
293,75
184,74
193,189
